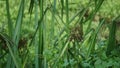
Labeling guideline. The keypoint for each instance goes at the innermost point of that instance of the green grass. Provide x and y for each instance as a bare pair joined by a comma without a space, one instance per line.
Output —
59,34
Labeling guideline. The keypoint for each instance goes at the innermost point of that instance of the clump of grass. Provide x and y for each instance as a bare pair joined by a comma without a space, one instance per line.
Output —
48,45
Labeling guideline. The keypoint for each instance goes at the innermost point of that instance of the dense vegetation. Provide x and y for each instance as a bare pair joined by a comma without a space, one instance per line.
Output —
59,34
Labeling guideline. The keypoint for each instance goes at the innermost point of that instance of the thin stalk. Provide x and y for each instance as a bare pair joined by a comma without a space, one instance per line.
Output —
67,14
97,7
10,25
36,45
41,37
10,30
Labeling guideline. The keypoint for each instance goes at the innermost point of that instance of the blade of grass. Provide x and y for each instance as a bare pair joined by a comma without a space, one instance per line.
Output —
18,23
10,25
36,45
112,40
97,7
62,4
53,20
17,31
31,6
94,36
10,30
41,37
67,15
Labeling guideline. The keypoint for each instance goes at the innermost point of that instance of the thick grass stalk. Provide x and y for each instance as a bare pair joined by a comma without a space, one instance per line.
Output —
18,25
41,37
111,41
10,30
17,31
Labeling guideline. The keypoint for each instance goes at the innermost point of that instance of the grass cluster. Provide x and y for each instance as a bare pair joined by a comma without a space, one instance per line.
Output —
60,34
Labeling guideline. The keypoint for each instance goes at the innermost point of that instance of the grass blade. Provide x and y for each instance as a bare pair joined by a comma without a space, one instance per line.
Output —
10,26
112,40
93,41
